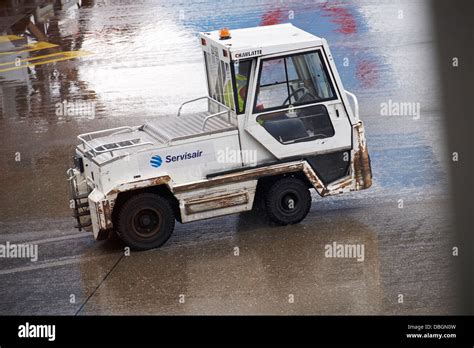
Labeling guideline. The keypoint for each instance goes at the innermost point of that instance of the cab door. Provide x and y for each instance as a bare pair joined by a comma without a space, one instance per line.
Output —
297,108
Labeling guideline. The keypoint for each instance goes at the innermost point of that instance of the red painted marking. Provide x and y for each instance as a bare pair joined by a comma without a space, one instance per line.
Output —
272,17
367,74
342,17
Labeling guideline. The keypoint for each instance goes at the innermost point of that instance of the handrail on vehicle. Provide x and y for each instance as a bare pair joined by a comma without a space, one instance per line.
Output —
356,105
219,104
112,131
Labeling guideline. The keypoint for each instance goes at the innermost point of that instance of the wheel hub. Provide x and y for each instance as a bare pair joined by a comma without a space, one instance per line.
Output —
289,202
147,222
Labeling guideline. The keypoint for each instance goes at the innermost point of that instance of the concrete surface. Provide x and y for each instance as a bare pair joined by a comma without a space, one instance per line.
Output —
146,61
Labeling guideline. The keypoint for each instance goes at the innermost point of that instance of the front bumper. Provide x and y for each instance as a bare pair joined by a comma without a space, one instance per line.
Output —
362,166
101,214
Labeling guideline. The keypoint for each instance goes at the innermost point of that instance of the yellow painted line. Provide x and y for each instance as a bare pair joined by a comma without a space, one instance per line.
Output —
60,57
7,38
34,58
32,47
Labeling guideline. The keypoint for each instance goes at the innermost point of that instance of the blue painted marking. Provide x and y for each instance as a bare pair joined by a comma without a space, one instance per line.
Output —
398,165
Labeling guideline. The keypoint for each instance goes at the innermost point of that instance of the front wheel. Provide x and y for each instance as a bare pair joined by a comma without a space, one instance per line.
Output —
287,201
146,221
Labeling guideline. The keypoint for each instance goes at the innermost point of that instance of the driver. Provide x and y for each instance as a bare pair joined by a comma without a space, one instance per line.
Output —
241,85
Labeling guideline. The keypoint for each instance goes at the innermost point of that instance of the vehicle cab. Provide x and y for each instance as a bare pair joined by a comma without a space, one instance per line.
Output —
296,104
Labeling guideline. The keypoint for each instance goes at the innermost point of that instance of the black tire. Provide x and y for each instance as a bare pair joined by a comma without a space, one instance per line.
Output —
287,201
145,221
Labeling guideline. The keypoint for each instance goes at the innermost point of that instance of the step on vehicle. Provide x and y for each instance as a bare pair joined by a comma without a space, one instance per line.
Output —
276,122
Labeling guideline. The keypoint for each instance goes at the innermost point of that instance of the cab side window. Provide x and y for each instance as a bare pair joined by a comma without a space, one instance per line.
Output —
273,85
296,79
242,73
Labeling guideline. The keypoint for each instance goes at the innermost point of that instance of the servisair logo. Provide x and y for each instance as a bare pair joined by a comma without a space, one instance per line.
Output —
156,161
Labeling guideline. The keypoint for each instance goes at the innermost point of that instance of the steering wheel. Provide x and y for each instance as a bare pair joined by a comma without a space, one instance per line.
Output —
304,89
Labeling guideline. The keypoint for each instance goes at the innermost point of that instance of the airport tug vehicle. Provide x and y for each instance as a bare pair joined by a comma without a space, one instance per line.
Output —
276,122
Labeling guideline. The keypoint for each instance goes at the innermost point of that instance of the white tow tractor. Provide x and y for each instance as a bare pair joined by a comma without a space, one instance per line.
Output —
277,122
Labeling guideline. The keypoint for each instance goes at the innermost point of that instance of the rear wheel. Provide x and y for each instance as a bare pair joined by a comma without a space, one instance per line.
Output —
146,221
287,201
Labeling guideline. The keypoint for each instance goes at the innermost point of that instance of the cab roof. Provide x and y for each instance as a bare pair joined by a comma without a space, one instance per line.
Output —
257,41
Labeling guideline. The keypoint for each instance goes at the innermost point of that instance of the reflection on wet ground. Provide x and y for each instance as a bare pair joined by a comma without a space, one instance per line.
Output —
133,61
271,266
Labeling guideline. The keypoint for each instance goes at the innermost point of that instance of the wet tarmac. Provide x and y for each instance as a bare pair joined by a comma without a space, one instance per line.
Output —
138,61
